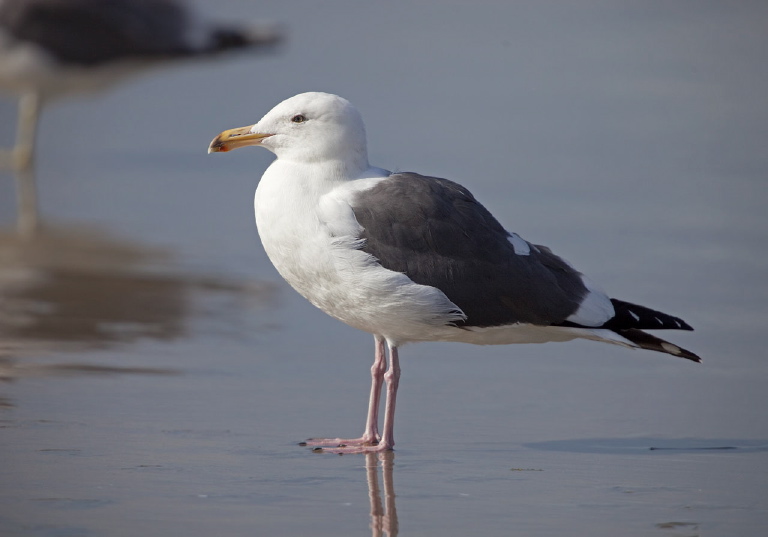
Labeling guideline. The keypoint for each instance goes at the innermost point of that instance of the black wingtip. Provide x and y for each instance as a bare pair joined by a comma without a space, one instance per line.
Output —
628,316
652,343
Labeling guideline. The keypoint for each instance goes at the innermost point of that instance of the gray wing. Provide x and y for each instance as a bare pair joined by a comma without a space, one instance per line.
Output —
93,32
435,232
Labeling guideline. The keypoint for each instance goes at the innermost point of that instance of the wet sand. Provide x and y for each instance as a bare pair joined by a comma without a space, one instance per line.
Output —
157,374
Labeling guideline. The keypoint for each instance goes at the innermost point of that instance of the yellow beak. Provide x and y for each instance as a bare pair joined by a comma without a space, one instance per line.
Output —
235,139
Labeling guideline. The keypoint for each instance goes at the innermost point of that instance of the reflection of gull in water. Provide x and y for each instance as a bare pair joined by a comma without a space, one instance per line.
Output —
77,290
86,290
383,516
27,218
11,369
54,47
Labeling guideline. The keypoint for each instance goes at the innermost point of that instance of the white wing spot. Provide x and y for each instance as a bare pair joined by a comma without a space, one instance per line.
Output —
521,247
659,320
678,324
674,349
634,315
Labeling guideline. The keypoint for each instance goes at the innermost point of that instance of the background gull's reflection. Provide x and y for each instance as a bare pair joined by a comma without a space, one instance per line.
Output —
77,289
27,216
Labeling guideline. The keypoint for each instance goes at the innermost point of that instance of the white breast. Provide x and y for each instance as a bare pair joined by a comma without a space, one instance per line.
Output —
310,234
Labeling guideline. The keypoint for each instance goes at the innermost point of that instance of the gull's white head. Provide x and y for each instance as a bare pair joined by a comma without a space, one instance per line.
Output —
309,127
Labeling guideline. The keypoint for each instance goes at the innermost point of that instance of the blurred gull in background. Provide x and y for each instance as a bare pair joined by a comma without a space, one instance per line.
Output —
50,48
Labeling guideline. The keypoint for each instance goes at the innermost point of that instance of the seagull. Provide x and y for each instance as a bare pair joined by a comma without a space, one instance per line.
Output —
410,258
50,48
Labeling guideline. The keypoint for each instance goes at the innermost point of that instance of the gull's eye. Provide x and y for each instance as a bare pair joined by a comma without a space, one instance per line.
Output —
299,118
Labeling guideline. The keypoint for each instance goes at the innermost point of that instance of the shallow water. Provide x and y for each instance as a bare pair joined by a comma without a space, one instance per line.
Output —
158,374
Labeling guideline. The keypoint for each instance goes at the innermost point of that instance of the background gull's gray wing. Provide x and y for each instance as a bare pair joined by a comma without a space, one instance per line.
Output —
435,232
96,32
93,32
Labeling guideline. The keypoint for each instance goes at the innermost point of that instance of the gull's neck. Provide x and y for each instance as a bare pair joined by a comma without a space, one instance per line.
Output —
321,176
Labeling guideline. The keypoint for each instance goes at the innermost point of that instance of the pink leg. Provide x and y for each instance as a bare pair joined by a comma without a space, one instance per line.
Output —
371,434
392,376
387,442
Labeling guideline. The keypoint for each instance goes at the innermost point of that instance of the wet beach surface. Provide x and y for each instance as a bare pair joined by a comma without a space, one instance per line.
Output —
156,374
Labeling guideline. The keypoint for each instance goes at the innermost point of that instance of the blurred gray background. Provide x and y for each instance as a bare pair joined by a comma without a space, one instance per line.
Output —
159,371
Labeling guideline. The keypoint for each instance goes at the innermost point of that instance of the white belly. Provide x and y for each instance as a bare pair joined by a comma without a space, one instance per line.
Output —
330,270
